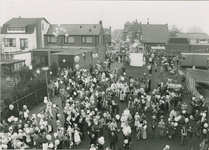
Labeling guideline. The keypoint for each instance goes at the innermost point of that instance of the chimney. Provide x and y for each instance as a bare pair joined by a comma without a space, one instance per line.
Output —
166,24
80,26
19,16
136,20
100,22
147,21
110,27
140,22
94,26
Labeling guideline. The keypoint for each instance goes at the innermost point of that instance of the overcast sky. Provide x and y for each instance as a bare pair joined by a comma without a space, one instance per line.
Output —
183,14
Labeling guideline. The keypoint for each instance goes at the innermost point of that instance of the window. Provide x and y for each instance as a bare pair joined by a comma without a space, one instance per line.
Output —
24,43
16,30
87,39
160,45
10,42
69,39
51,39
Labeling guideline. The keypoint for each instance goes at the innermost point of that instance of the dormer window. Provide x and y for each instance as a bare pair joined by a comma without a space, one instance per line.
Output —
15,30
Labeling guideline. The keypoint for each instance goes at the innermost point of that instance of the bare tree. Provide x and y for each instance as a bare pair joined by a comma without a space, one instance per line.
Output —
194,29
174,29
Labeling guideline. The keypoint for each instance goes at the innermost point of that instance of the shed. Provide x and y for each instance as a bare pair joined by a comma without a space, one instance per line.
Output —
66,59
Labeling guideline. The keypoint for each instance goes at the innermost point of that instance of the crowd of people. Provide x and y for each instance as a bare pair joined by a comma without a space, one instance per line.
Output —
91,100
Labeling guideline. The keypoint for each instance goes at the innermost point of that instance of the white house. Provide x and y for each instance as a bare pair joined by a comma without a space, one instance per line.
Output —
22,35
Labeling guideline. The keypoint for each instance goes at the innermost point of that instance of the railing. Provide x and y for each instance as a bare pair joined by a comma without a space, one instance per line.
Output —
29,100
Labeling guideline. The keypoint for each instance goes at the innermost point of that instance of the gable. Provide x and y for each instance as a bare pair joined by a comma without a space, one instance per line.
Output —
28,24
135,27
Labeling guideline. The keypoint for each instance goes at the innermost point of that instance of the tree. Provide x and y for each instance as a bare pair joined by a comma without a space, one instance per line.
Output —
194,29
174,29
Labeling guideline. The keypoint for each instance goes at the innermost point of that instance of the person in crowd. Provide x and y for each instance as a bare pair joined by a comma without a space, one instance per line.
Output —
161,126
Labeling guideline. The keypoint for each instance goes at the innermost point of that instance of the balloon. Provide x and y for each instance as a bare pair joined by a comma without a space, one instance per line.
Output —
205,125
45,101
12,118
55,135
186,120
183,111
11,107
49,137
58,122
167,147
126,141
77,58
117,117
204,131
57,142
9,119
101,140
105,114
58,115
51,145
203,115
77,66
38,71
15,119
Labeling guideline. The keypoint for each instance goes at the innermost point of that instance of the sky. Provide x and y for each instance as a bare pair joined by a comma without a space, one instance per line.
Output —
183,14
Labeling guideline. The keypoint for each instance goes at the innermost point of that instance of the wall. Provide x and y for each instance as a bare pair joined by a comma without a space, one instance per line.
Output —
31,41
44,31
24,56
69,61
176,48
77,42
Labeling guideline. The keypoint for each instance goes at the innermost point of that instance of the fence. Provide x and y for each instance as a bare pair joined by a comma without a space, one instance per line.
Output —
29,100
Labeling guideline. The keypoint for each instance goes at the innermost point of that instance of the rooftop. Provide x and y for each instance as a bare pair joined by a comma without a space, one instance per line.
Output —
10,61
199,75
193,35
77,29
30,23
155,33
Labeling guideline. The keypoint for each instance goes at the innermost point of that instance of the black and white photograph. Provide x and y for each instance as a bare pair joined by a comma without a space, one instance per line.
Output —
104,75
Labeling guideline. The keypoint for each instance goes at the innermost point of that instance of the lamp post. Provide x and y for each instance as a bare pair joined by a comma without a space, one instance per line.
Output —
46,69
59,32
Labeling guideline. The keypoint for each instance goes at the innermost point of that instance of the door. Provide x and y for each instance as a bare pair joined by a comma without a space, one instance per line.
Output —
23,44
